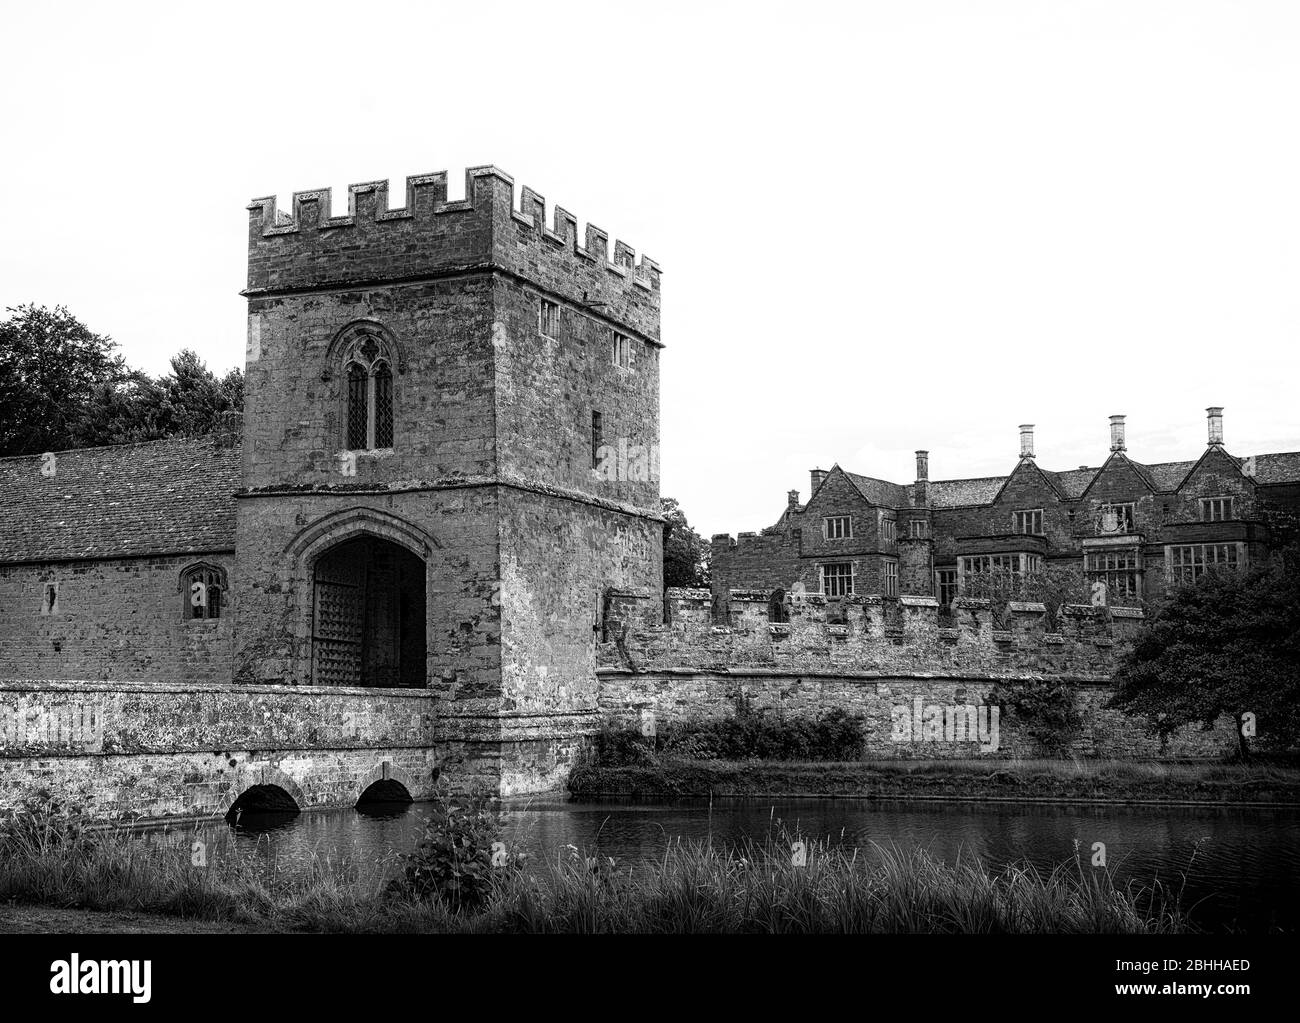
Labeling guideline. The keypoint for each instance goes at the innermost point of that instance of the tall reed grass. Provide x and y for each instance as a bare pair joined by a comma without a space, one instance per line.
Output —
694,887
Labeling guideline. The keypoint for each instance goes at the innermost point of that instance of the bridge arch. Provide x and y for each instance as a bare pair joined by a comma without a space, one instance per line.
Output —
385,782
263,787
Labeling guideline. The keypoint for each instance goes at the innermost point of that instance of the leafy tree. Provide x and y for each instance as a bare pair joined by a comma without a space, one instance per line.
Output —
51,367
686,555
1229,644
63,386
190,400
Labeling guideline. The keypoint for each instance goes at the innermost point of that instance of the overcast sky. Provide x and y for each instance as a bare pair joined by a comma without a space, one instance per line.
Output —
883,226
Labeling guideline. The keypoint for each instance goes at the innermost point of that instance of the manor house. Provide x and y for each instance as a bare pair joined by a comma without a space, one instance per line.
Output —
1134,527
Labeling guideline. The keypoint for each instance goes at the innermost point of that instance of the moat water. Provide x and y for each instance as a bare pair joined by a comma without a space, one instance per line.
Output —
1238,868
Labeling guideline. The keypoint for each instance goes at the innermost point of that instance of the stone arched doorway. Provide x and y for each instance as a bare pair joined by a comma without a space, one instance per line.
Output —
368,615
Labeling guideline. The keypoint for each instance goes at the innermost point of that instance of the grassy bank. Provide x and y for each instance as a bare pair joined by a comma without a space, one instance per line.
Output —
665,777
693,888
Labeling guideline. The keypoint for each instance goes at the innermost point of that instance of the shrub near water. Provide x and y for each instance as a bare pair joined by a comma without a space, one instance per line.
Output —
460,858
749,734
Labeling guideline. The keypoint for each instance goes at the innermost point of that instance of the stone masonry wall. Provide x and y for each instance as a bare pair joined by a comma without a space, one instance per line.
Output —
122,618
884,654
870,633
881,698
169,749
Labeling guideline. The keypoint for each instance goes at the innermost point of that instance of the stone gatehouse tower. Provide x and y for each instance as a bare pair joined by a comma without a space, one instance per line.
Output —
397,569
428,389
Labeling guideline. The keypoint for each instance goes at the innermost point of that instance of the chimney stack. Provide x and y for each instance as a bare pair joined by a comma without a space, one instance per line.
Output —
793,498
923,465
1026,440
1117,433
1214,423
817,476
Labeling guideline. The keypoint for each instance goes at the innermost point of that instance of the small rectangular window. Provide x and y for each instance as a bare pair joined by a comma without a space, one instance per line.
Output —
888,530
548,319
889,576
916,529
50,599
837,527
837,579
1029,521
597,438
1216,509
622,351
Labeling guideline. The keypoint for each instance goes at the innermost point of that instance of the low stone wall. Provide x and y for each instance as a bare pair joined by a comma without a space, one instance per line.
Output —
884,700
138,750
133,750
859,633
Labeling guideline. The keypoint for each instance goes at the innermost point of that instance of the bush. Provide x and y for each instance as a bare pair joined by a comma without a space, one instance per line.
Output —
460,857
1048,709
749,734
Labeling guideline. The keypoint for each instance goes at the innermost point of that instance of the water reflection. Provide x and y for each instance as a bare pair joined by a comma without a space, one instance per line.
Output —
1238,867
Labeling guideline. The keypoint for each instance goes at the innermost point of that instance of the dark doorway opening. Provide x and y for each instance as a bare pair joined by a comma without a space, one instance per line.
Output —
368,620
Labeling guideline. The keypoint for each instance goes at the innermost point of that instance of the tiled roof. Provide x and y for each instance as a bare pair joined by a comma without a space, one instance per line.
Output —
1166,477
1073,482
954,493
165,496
881,492
1169,476
1283,467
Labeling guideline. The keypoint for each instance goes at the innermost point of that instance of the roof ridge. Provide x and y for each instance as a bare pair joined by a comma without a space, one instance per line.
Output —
179,438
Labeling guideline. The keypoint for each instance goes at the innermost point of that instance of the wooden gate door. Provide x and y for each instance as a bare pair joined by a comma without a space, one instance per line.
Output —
338,619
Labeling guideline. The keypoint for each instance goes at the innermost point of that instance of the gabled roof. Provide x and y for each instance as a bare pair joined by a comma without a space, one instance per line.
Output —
1169,476
881,492
1143,472
159,497
1027,464
1073,482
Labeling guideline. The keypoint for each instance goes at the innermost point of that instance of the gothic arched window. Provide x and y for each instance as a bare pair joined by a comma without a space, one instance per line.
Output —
369,396
203,588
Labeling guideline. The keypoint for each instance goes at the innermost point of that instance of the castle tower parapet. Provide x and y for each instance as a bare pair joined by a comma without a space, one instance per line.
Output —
308,248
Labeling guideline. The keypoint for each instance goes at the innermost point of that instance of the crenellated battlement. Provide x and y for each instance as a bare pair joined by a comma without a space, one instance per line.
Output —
308,248
867,633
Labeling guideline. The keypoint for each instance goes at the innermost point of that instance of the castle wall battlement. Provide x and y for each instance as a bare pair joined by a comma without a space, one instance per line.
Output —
864,634
307,248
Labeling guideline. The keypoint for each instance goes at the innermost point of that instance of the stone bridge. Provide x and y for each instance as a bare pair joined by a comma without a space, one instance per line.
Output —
127,751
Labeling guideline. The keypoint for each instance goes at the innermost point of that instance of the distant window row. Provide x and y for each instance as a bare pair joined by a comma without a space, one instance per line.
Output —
1119,570
1113,518
1120,517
